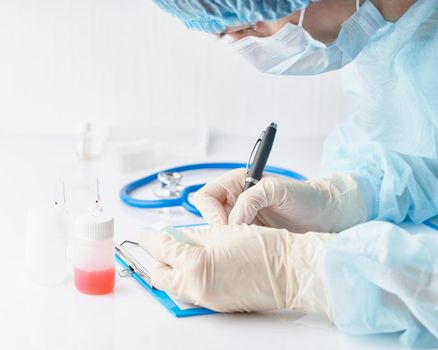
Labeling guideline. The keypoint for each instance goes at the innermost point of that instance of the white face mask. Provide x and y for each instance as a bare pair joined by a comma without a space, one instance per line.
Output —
293,51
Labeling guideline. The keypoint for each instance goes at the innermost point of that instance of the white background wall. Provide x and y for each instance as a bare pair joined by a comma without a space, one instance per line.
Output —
124,62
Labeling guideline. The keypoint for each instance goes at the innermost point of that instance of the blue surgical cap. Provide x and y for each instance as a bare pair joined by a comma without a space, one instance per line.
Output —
213,16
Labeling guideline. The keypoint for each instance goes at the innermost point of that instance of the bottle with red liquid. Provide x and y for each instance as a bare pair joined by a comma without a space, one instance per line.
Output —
94,261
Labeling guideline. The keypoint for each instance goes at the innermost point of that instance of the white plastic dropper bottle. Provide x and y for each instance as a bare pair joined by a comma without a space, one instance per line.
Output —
94,254
46,241
94,250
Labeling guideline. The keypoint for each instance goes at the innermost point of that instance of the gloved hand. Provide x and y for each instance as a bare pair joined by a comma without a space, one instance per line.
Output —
241,268
324,205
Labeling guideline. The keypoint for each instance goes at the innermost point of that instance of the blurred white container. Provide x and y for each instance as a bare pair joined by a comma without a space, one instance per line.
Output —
135,155
135,149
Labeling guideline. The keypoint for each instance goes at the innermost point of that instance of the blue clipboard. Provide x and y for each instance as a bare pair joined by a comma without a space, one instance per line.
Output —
162,297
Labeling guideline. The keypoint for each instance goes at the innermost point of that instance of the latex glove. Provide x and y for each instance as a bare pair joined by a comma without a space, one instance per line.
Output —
241,268
324,205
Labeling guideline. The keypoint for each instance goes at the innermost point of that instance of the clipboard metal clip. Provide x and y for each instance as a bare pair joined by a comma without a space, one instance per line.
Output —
125,273
133,265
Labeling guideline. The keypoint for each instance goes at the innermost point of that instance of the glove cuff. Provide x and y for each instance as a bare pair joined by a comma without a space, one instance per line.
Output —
305,287
351,208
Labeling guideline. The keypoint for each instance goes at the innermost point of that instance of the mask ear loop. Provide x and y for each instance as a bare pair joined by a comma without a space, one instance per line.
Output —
357,5
301,20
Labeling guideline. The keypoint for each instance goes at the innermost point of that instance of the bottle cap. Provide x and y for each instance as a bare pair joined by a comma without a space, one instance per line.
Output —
97,228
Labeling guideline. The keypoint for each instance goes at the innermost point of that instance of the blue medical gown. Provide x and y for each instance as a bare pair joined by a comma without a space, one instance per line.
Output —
390,140
380,278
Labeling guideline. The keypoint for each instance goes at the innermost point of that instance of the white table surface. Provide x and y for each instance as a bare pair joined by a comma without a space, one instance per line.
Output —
35,317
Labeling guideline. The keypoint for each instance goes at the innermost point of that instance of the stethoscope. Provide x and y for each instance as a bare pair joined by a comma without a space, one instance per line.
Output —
178,195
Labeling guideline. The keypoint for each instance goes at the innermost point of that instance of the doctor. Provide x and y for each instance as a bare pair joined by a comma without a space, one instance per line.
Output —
381,164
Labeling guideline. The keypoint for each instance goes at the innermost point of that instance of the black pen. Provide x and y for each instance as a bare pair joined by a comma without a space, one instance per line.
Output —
264,143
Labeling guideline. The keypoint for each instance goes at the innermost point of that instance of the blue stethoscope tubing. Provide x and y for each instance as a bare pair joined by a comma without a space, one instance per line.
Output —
183,199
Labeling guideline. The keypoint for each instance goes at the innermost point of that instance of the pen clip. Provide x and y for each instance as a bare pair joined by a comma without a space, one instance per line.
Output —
256,145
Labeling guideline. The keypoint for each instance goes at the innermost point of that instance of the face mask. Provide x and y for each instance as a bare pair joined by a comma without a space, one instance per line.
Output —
293,51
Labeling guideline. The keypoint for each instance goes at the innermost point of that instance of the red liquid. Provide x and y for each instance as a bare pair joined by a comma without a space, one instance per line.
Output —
95,282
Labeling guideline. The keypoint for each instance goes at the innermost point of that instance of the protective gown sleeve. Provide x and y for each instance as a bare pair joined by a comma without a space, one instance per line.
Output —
382,279
395,186
390,140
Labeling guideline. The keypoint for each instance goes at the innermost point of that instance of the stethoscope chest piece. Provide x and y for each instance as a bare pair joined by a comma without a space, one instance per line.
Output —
170,184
